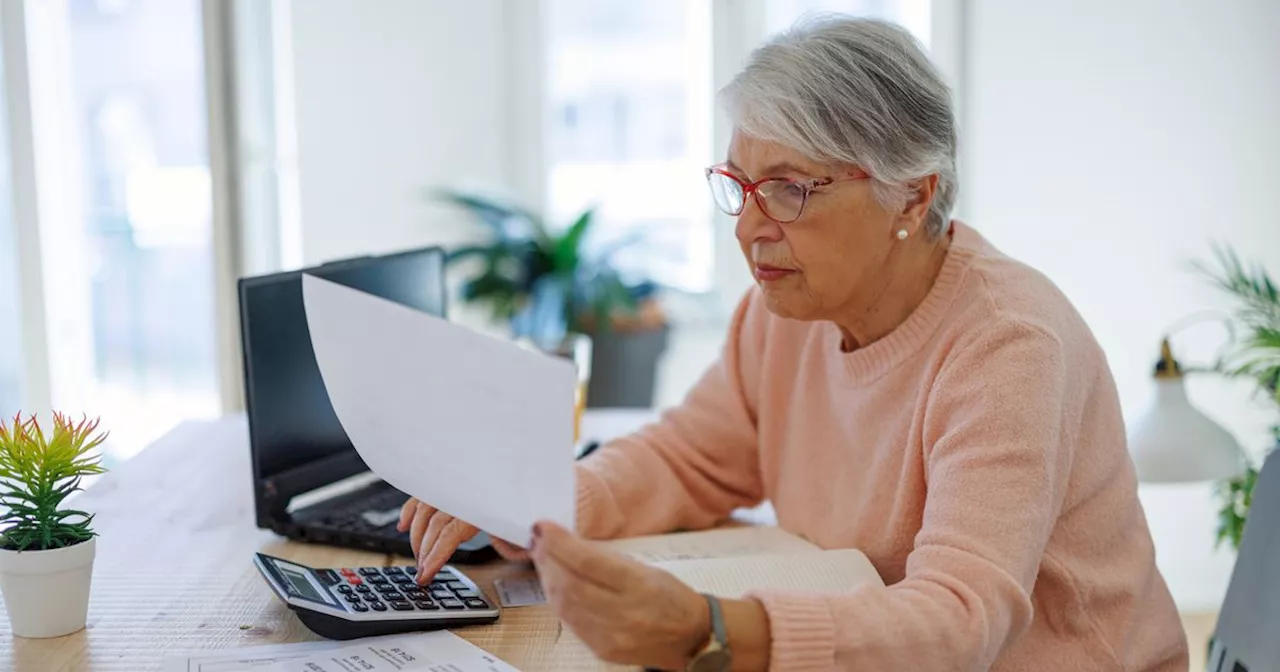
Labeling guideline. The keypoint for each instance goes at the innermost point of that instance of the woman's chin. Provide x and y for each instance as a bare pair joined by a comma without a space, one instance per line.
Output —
785,303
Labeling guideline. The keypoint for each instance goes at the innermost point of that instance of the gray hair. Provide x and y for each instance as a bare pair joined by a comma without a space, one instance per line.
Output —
855,91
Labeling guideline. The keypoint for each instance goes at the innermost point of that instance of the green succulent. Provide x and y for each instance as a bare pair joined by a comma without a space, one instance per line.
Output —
37,474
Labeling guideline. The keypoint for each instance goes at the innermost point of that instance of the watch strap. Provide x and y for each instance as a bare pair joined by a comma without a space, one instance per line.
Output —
717,621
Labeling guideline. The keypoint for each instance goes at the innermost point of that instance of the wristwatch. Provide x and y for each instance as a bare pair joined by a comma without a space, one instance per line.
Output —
715,655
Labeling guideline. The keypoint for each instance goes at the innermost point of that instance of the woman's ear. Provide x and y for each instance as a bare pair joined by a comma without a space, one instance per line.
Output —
919,197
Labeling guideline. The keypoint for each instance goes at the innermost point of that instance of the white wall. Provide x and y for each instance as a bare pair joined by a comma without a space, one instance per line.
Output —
393,98
1107,144
1104,143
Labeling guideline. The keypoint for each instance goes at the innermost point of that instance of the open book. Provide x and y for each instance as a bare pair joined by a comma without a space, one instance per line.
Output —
729,562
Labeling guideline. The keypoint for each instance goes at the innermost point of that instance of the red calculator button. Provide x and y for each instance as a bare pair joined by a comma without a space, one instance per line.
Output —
347,571
354,580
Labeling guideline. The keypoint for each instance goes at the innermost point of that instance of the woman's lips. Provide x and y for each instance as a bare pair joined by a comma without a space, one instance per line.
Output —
767,273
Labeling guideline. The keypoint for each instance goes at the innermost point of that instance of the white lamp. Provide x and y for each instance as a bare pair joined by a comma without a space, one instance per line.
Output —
1174,442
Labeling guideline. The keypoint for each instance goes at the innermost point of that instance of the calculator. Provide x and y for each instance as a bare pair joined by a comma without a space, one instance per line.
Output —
347,603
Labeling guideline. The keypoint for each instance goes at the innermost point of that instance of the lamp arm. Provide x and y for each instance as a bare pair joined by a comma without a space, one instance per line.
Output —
1200,317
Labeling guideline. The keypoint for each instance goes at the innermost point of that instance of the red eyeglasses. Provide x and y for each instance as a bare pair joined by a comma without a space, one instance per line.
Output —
781,199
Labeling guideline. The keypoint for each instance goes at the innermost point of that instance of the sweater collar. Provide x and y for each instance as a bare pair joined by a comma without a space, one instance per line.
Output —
868,363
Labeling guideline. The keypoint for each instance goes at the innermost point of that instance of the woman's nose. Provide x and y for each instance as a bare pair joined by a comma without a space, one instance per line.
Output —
753,225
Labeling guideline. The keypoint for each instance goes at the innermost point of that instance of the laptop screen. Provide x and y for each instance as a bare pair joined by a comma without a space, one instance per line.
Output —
292,425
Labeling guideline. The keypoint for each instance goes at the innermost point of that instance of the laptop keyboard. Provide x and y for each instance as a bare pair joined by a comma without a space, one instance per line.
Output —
376,513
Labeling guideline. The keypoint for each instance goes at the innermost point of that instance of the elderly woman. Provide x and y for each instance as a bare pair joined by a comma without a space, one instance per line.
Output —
893,384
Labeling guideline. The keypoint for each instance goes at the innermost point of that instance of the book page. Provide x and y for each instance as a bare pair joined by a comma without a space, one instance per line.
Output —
834,571
725,542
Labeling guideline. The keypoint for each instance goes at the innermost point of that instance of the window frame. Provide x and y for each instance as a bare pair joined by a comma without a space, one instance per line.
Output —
737,27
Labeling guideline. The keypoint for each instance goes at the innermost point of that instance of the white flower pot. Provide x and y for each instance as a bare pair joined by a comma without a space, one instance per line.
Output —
46,593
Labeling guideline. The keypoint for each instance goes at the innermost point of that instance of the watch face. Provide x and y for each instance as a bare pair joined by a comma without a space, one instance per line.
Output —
711,661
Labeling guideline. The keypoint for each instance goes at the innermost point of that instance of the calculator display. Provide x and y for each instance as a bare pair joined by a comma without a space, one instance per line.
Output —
302,584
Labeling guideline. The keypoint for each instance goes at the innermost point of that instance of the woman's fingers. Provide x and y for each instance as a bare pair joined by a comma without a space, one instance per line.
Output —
447,540
508,550
406,514
580,558
421,518
429,536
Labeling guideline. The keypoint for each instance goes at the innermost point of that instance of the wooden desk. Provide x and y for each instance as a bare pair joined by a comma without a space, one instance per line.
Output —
173,569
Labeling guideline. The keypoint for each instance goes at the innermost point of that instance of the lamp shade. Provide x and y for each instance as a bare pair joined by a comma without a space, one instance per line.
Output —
1174,442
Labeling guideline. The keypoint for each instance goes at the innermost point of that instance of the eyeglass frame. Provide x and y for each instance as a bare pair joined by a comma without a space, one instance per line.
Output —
752,189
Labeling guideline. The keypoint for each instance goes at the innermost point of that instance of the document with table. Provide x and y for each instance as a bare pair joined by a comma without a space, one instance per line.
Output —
426,652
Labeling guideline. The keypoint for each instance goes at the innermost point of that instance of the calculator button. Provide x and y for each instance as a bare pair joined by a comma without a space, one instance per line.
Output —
445,576
377,606
347,571
441,593
476,603
457,585
379,579
366,571
384,588
353,598
359,607
426,605
415,594
400,578
328,577
465,593
344,588
451,603
400,605
391,570
354,580
360,589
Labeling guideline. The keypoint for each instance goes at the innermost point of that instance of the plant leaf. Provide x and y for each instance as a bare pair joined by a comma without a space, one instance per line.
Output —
566,254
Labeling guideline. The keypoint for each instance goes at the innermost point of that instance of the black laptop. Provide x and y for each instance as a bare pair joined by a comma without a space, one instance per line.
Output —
309,482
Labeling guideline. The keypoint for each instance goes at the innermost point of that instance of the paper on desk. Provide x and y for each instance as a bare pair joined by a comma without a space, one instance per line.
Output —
832,571
723,542
475,426
439,651
251,658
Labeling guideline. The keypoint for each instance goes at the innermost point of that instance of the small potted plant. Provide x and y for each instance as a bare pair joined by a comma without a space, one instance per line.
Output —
548,286
46,548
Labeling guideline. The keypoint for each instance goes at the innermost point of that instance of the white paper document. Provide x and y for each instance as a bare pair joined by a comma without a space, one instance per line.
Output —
477,427
439,651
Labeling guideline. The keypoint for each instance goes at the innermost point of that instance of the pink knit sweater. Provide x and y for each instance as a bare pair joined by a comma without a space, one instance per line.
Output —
976,454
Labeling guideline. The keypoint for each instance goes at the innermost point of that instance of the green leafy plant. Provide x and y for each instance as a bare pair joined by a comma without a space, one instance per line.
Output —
37,474
1254,355
543,281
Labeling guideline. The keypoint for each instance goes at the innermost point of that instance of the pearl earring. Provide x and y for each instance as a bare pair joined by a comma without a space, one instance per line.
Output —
902,234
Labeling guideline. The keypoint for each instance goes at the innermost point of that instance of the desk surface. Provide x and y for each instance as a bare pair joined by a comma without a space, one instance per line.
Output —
172,573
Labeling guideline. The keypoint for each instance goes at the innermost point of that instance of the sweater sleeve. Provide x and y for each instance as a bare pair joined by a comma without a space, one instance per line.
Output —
997,456
692,467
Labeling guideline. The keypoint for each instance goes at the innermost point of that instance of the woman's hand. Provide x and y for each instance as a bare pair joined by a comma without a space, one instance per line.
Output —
434,535
626,612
